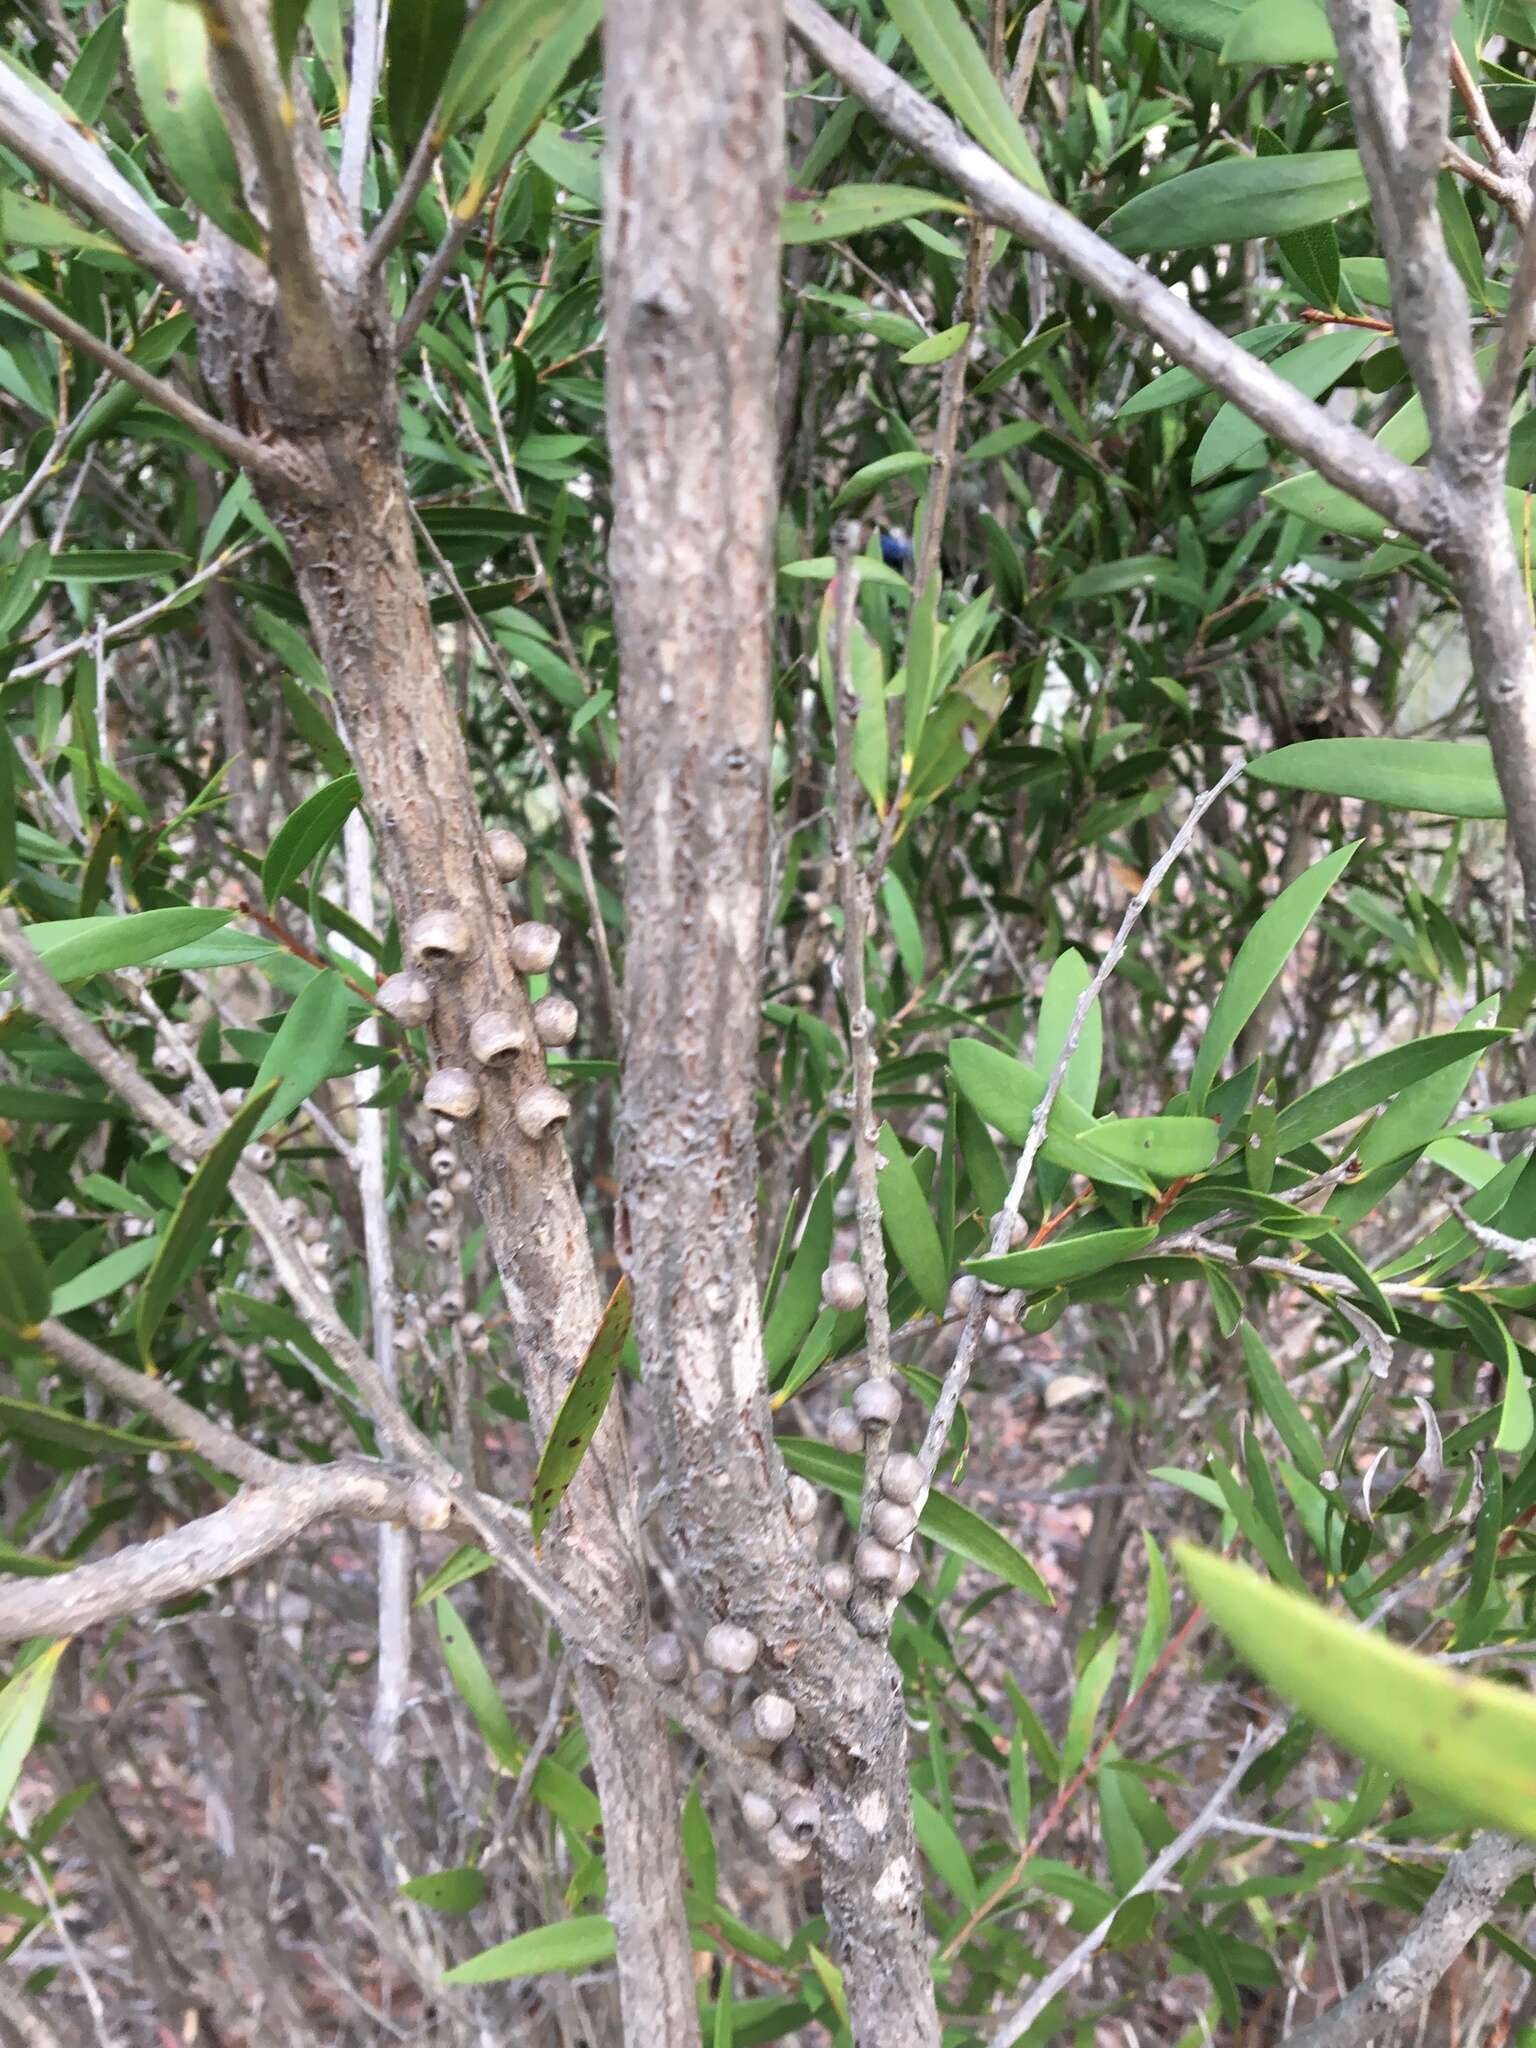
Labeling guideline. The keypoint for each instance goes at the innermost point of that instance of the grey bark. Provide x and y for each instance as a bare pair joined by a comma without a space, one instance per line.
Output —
694,187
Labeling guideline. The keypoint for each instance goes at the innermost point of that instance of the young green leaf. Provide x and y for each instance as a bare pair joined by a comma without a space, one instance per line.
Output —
909,1224
581,1410
798,1301
1239,199
1372,1081
1086,1702
1463,1740
1280,32
1451,778
942,42
848,209
922,646
1064,987
304,832
579,1943
22,1701
1064,1258
75,948
421,40
305,1046
519,105
447,1891
24,1289
201,1201
1154,1629
867,670
1260,958
1313,368
168,48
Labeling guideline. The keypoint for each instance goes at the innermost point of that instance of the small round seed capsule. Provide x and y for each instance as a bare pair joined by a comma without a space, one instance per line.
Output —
838,1581
318,1255
450,1304
166,1060
713,1695
876,1401
439,1241
783,1847
452,1092
541,1110
876,1563
892,1522
471,1327
666,1659
842,1286
497,1038
760,1814
844,1432
962,1294
902,1478
462,1181
312,1230
439,941
730,1648
773,1717
445,1164
801,1817
745,1736
440,1204
555,1019
230,1099
444,1130
407,998
260,1158
793,1763
534,947
509,856
802,1501
907,1577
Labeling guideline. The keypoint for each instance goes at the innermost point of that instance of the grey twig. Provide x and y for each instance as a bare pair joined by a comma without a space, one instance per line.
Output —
357,124
1337,450
1210,1817
275,464
1475,1880
959,1373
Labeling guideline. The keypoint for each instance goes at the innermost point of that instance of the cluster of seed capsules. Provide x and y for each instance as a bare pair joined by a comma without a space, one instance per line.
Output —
438,943
762,1723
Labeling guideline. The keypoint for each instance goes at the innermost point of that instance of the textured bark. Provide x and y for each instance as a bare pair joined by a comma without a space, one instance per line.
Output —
694,191
355,563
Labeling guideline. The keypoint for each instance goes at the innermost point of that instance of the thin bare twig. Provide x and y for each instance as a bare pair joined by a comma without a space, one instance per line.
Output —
277,465
959,1373
1210,1816
368,18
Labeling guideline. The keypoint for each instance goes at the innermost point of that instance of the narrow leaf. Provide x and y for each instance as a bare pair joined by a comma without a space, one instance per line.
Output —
1451,778
576,1944
581,1410
302,834
305,1047
909,1224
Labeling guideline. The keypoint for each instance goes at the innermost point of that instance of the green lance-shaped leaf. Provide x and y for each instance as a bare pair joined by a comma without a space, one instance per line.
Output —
500,41
576,1944
24,1287
952,1526
21,1712
941,40
798,1300
874,475
1167,1147
168,48
1369,1082
56,1426
1006,1092
1451,778
849,209
1064,1258
447,1891
1065,986
200,1203
519,106
1239,199
938,348
75,948
922,648
581,1410
475,1686
423,36
958,728
867,670
1490,1333
1260,958
305,1046
909,1223
304,832
1206,22
1313,368
1462,1740
1280,32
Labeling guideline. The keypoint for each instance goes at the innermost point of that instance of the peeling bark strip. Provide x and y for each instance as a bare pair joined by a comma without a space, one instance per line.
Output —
694,188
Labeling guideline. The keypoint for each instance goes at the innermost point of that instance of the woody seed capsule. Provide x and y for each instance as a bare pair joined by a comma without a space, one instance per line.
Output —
405,997
902,1478
496,1038
555,1019
844,1432
666,1659
876,1401
773,1717
508,854
876,1563
892,1521
440,940
731,1648
842,1286
540,1111
452,1092
534,947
